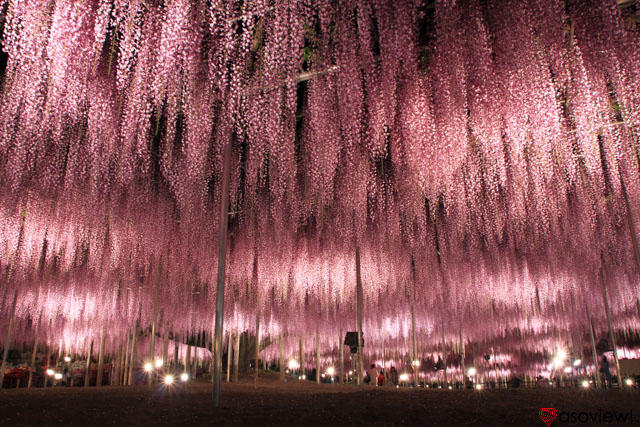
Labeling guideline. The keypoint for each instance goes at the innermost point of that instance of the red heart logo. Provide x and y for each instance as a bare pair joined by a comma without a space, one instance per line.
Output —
548,415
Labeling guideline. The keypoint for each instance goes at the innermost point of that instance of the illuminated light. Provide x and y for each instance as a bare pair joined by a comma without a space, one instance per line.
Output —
585,384
323,375
58,376
293,364
404,377
450,387
304,377
286,371
331,371
567,370
350,372
148,367
415,363
184,377
168,379
50,372
478,386
577,362
67,359
562,354
159,363
628,382
550,383
558,361
472,371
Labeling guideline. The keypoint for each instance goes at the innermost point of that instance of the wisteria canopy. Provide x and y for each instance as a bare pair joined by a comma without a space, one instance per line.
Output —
481,154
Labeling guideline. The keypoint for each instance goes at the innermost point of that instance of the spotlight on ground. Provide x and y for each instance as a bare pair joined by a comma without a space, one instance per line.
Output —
168,379
585,384
478,386
184,377
628,382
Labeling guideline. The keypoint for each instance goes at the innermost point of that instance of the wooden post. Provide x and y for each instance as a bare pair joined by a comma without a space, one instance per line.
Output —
87,370
282,361
125,371
302,366
444,356
224,217
187,359
317,355
229,355
593,348
46,376
100,360
236,358
341,350
462,356
176,352
33,356
7,342
257,354
134,354
154,324
605,297
165,349
359,303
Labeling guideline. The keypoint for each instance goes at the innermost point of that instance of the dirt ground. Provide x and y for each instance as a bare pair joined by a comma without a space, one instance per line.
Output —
303,403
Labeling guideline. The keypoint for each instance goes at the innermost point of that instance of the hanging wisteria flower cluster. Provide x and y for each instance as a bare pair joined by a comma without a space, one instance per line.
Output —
482,154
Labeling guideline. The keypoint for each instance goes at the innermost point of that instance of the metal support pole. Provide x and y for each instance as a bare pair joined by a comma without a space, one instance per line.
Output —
359,303
605,297
100,361
7,342
224,213
593,348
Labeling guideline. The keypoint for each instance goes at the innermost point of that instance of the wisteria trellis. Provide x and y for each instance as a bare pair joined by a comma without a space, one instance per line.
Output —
489,141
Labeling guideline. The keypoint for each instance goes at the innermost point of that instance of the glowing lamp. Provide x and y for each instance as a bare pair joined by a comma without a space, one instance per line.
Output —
567,370
628,382
168,379
472,371
577,362
184,377
58,376
350,372
331,371
304,377
293,364
562,354
558,361
404,377
148,367
50,372
415,363
159,363
67,359
323,375
585,384
478,386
